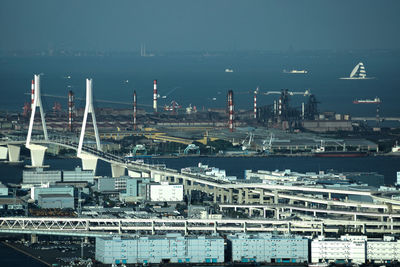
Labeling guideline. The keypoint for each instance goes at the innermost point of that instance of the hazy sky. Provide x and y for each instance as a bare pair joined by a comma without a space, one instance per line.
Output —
207,25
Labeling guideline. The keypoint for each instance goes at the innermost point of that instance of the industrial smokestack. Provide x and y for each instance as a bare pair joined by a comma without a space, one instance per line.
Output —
230,106
70,109
134,111
255,104
32,94
155,96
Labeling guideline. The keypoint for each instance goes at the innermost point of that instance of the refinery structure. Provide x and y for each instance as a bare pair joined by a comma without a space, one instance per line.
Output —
146,213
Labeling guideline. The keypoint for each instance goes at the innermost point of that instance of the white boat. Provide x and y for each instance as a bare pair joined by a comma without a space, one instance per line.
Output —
228,70
396,148
358,73
295,71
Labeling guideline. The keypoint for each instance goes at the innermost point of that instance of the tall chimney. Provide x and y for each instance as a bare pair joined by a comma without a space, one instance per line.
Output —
155,96
255,104
70,109
134,111
230,106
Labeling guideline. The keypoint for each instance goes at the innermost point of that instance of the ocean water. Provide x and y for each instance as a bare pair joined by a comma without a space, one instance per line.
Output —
197,79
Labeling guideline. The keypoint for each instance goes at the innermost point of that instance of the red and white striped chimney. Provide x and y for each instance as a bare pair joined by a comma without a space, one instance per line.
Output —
32,94
230,106
155,96
134,111
255,104
70,109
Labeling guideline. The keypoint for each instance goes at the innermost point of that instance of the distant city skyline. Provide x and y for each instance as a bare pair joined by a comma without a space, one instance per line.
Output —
177,25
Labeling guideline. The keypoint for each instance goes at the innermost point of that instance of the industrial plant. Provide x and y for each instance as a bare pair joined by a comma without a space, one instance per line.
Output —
146,213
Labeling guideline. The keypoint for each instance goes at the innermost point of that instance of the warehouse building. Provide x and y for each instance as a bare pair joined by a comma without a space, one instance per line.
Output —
129,189
347,249
268,248
171,248
51,190
78,175
56,201
383,251
39,176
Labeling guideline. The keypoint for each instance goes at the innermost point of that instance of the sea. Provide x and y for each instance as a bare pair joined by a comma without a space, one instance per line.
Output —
200,79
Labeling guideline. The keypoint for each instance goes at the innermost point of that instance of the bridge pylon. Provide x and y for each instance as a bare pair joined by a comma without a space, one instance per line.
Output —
37,151
89,162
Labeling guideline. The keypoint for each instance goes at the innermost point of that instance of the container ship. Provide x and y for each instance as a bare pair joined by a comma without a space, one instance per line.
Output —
376,100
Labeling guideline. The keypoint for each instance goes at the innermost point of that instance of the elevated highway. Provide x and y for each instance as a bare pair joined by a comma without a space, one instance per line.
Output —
104,226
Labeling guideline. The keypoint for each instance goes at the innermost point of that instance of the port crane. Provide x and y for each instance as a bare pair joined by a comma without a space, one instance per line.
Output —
267,147
285,91
139,148
246,146
193,148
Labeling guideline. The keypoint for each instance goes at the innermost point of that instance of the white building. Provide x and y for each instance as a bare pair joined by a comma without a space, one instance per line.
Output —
172,248
78,175
3,190
349,249
51,190
383,251
39,176
268,248
166,192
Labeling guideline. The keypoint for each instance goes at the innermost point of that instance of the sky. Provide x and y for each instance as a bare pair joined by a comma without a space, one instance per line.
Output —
206,25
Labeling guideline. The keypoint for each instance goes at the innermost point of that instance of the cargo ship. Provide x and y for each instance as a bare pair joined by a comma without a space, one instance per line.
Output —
340,154
295,71
322,153
376,100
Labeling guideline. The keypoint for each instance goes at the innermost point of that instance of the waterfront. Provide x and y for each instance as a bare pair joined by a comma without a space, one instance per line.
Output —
235,166
11,257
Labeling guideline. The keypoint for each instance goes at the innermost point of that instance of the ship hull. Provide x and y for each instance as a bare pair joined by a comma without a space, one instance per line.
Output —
340,154
356,78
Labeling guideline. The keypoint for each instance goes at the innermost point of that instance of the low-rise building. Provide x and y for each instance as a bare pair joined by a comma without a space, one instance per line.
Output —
383,251
166,192
51,190
268,248
56,201
39,176
78,175
3,190
347,249
171,248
